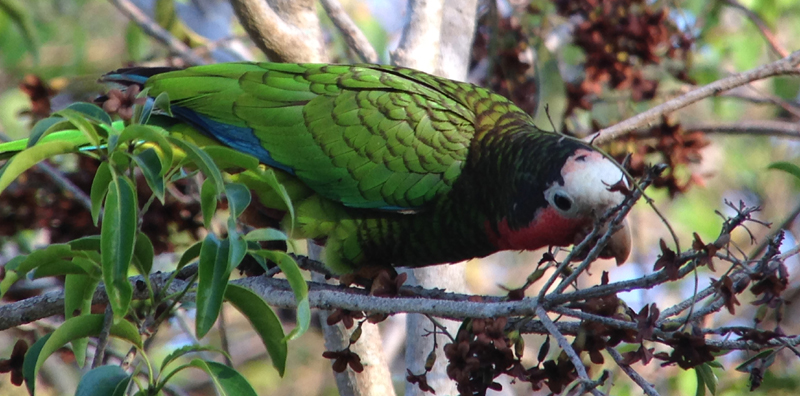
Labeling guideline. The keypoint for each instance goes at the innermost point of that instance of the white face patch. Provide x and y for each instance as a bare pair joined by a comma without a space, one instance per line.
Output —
587,176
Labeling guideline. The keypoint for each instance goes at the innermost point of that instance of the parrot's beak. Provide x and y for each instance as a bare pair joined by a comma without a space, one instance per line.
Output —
619,247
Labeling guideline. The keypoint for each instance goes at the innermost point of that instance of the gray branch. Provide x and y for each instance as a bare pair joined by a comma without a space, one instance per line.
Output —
784,66
285,30
149,26
354,37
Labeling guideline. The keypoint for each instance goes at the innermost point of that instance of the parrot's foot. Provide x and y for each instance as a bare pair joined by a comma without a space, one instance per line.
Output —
381,281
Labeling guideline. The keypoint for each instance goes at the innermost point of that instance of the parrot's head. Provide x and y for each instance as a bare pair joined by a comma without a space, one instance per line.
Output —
560,208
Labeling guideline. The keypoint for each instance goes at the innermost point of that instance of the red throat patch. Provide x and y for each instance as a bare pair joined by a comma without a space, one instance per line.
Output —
548,228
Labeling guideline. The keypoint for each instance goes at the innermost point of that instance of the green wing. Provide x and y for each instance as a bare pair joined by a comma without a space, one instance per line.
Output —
367,136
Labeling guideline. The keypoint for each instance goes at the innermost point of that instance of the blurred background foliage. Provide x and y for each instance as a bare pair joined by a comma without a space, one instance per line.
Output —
52,52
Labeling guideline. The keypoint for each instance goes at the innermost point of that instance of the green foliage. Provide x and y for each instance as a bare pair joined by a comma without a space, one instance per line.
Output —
126,149
104,380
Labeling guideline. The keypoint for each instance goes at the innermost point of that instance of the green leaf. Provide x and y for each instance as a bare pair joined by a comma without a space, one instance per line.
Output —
208,201
117,239
264,321
86,243
148,133
80,327
190,254
43,127
92,112
143,254
109,380
162,103
99,189
745,366
29,368
299,286
150,165
40,257
787,167
78,293
238,198
701,384
11,276
266,234
269,177
79,121
20,15
213,273
202,160
19,266
237,246
228,158
28,158
141,113
58,268
185,350
228,381
135,42
709,378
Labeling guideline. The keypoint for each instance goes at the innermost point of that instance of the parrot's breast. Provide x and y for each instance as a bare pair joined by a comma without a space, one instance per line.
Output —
548,228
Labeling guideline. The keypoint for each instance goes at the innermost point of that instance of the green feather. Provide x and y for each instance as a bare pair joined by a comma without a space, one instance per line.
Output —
387,165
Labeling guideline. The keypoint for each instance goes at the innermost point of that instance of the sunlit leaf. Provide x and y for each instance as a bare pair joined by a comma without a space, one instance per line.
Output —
28,158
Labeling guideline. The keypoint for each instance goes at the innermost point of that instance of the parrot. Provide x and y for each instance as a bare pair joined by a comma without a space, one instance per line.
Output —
386,165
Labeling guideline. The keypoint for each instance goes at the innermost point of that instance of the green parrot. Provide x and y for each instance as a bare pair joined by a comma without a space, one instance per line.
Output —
392,166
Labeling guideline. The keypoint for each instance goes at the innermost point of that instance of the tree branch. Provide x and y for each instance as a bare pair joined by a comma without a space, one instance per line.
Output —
419,45
354,37
753,127
285,30
762,27
149,26
784,66
635,376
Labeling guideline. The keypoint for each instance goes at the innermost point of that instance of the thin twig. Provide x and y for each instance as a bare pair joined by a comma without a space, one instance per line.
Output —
223,337
102,339
762,27
783,66
150,27
566,347
647,388
354,37
749,127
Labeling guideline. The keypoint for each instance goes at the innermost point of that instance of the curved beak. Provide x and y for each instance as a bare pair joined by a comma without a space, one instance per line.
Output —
619,247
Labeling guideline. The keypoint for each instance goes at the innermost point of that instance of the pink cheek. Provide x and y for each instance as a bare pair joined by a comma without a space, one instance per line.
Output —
549,228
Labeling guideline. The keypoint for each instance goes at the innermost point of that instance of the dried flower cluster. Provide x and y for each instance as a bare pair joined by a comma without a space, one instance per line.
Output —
620,38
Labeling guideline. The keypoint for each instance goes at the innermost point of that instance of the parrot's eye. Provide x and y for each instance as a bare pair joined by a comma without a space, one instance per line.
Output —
562,202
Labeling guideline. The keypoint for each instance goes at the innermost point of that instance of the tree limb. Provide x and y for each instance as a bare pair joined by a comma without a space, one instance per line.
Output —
751,127
149,26
419,45
784,66
285,30
633,374
762,27
354,37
